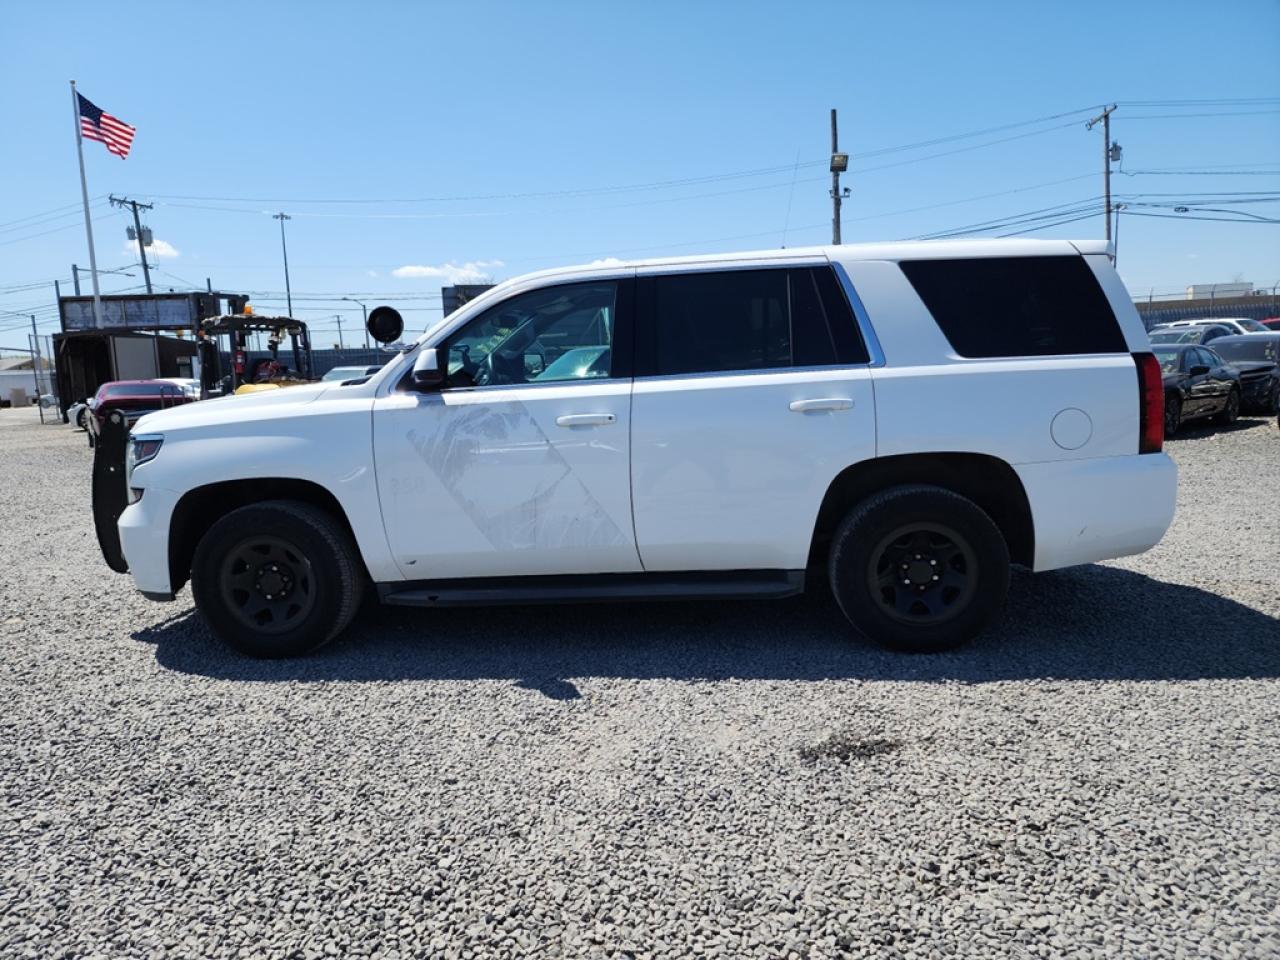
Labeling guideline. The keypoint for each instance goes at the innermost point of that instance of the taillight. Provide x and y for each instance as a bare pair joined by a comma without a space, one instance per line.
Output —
1150,403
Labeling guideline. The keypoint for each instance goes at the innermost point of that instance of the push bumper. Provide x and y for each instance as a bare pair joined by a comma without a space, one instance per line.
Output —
1099,508
144,540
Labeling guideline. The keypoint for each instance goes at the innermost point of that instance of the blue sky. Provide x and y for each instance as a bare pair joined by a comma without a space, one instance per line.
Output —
497,138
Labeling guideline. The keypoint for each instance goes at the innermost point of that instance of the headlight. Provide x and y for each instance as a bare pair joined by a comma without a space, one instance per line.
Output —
142,448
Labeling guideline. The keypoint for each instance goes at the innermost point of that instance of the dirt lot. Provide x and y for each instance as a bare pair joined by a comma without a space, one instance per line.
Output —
1100,776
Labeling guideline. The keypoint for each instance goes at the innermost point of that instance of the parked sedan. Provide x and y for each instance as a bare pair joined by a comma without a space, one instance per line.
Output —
1235,324
133,398
1197,383
1256,358
1190,333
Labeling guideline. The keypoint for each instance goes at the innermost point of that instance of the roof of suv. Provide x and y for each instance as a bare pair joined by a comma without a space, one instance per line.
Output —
897,250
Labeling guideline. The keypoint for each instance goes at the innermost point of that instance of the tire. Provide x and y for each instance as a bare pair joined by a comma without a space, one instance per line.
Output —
277,579
1232,409
80,421
915,525
1172,415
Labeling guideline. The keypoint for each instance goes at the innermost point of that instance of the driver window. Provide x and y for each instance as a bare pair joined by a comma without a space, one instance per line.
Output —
544,336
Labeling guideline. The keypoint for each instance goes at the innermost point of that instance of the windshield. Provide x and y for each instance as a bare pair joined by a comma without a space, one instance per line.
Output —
141,390
1168,359
1260,349
1189,335
1253,326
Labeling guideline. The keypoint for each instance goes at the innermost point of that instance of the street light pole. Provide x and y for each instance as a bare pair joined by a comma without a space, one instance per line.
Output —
365,310
288,295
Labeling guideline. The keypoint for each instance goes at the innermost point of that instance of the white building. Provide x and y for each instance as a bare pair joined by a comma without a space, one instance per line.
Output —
1217,291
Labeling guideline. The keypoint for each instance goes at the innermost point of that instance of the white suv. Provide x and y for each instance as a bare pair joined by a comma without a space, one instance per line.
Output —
907,419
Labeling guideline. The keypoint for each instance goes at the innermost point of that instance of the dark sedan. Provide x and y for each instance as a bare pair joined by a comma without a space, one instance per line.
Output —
1197,383
1256,357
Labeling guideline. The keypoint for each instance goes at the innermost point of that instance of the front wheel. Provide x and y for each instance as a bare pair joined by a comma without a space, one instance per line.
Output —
1232,408
276,579
919,568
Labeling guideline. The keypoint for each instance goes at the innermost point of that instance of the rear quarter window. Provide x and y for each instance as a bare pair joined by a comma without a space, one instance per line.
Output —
1017,306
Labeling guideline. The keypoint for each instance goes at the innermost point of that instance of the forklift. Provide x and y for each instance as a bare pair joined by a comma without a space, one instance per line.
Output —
266,373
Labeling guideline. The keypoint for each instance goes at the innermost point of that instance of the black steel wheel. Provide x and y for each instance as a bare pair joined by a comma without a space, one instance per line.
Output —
277,579
919,568
1231,409
923,573
1172,414
267,583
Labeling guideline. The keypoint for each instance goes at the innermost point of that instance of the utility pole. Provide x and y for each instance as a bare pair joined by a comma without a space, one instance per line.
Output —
341,346
75,278
839,164
1107,155
137,231
288,296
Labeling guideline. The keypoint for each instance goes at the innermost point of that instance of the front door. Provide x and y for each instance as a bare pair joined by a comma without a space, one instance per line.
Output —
521,464
752,392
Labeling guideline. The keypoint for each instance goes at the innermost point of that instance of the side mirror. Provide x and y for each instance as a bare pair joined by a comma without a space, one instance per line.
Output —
385,324
428,374
1199,370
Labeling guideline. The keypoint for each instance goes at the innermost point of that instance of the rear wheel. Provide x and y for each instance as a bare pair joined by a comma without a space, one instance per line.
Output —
276,579
919,568
1232,408
1172,415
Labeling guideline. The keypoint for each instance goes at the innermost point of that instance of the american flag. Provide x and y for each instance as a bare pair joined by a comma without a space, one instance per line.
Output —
103,127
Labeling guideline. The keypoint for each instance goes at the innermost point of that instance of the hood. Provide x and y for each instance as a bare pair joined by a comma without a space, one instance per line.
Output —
232,409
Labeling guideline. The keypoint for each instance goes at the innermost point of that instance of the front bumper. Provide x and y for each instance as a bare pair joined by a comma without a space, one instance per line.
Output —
144,540
1099,508
1258,395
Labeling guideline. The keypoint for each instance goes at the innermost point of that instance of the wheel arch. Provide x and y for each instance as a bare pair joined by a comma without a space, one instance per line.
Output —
988,481
201,507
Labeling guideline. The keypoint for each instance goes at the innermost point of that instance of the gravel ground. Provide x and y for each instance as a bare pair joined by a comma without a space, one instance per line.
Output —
1098,777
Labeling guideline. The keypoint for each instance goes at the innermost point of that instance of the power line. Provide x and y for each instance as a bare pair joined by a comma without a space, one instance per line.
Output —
72,207
1175,216
1186,116
656,184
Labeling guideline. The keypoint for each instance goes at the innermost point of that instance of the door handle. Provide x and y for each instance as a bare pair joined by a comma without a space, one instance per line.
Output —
585,419
825,403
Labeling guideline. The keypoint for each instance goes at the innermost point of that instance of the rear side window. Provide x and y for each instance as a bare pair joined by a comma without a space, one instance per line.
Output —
733,320
1017,306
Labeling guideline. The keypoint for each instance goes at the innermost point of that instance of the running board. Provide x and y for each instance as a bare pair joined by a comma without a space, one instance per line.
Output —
588,588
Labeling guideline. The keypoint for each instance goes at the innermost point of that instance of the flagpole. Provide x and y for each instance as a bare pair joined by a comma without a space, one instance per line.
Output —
88,224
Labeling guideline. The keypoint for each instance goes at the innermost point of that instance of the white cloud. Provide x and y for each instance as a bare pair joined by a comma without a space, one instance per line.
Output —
606,262
473,271
371,273
161,249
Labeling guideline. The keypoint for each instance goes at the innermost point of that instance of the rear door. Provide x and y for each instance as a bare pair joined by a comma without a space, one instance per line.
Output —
753,391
